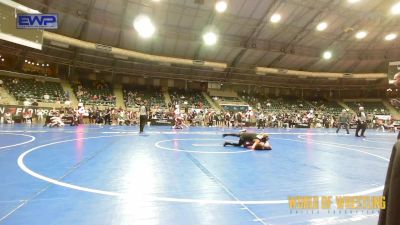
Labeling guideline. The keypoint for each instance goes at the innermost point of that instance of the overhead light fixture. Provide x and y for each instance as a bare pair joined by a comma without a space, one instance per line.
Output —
396,9
275,18
327,55
322,26
210,38
47,65
144,26
221,6
26,60
361,34
390,37
352,1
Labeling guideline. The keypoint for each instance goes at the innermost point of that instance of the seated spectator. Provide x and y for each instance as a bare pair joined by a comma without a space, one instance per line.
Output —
35,103
27,102
46,97
8,118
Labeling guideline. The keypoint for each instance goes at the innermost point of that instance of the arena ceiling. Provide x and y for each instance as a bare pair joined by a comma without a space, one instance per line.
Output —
247,38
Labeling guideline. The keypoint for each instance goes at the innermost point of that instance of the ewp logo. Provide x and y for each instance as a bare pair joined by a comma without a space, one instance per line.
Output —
37,21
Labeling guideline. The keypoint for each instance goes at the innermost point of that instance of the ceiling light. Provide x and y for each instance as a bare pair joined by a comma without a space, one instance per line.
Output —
144,26
26,60
210,38
221,6
352,1
327,55
396,9
322,26
361,34
275,18
390,37
47,65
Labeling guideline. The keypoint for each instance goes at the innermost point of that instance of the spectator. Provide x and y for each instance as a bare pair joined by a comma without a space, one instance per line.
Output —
8,118
27,102
39,114
35,103
46,97
67,95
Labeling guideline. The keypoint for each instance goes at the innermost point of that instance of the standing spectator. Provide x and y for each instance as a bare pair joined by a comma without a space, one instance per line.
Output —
67,95
343,121
143,117
39,114
107,116
8,118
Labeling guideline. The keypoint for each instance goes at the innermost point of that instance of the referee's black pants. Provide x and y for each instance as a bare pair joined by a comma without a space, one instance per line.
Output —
142,122
362,127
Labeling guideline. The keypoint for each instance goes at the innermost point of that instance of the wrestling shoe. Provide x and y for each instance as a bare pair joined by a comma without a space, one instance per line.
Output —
224,135
225,144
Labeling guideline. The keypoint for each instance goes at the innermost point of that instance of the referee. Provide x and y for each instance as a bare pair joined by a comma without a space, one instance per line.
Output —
361,122
143,117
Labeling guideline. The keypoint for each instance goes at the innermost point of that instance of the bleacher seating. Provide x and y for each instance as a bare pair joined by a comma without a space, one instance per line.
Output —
330,107
134,96
376,108
235,108
33,90
275,105
190,98
226,99
94,93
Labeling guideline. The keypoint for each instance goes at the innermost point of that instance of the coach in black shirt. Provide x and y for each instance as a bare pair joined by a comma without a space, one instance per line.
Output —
391,215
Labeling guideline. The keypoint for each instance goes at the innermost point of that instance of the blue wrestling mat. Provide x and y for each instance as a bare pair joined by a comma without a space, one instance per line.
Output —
91,175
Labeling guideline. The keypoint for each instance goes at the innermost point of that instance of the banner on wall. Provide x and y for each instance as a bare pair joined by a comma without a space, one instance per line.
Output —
17,110
383,117
162,122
